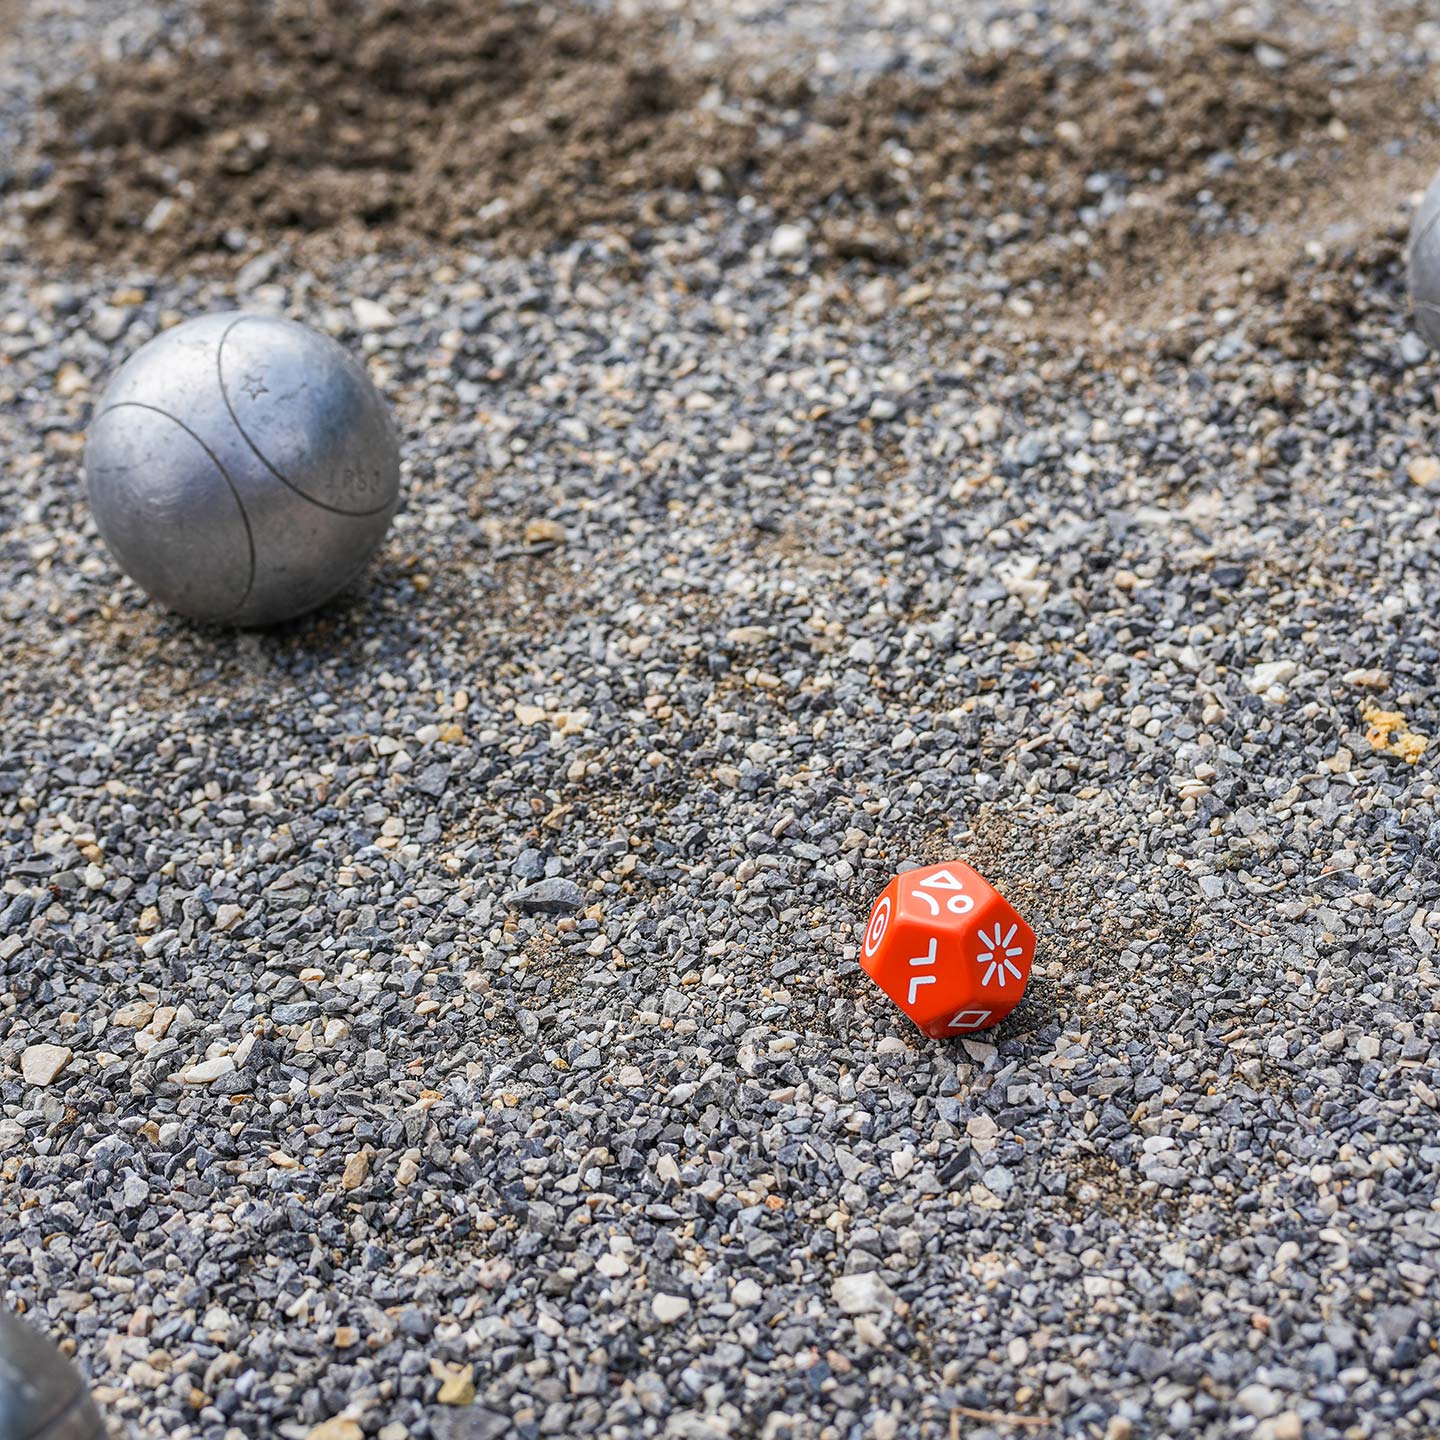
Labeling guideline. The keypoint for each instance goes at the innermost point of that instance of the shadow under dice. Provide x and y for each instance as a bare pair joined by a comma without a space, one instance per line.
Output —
948,949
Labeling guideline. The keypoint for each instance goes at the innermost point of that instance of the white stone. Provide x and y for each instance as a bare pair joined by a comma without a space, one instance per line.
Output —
863,1294
40,1064
208,1070
1368,679
789,242
1258,1400
227,917
876,296
133,1014
370,314
669,1308
746,1294
982,1128
1271,675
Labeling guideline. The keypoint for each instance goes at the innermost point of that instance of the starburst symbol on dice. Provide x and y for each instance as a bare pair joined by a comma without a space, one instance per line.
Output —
948,949
999,955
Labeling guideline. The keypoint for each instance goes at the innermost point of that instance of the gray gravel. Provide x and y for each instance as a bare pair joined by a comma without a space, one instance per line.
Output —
459,988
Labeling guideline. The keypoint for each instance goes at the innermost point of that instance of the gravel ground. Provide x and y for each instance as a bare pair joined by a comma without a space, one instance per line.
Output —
440,1017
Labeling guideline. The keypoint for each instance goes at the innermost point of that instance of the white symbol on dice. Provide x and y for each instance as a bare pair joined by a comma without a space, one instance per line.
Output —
879,923
957,904
916,981
999,955
969,1020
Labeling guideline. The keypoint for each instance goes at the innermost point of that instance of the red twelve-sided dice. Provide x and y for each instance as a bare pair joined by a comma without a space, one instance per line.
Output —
948,949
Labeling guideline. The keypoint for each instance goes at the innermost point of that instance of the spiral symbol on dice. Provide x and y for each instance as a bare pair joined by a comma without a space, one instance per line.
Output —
879,923
354,480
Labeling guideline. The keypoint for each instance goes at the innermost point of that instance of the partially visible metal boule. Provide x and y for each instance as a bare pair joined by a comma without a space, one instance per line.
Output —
42,1396
1423,265
242,468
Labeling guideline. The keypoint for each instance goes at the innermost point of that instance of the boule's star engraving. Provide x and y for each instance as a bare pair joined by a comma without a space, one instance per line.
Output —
254,386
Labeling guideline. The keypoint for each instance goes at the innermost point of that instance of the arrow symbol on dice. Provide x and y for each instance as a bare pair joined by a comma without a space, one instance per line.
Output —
916,981
1000,956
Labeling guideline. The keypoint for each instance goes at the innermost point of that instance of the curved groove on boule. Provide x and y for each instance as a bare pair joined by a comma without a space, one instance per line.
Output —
224,475
1427,310
260,456
1424,230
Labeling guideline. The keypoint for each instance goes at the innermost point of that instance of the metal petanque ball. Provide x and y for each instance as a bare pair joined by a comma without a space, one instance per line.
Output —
242,468
1424,265
42,1396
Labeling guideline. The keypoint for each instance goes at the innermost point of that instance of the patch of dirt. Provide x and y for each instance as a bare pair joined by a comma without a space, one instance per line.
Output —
559,968
1098,1183
1239,172
374,124
1151,186
1303,276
